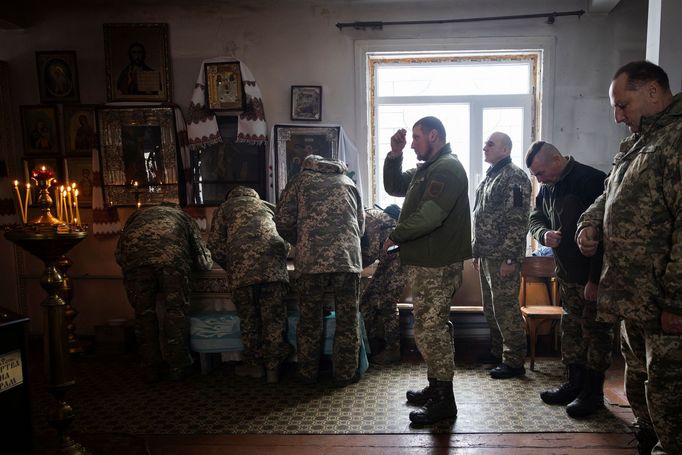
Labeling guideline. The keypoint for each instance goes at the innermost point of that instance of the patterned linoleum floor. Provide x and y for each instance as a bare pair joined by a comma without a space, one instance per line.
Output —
110,397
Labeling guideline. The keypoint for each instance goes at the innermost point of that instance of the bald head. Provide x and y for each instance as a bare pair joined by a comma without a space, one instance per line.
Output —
497,147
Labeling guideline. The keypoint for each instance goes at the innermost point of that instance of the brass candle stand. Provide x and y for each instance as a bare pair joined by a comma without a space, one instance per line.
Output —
70,313
48,239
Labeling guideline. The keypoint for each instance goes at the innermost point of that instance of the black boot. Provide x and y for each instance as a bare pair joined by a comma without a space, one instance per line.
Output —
591,397
646,439
569,391
441,405
420,397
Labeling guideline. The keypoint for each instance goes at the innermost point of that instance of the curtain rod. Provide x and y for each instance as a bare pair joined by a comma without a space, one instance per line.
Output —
378,25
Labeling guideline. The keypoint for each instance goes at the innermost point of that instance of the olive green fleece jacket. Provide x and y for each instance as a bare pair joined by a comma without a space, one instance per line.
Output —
434,228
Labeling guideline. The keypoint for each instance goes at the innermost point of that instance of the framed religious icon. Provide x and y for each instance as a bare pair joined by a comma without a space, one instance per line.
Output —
40,133
294,143
138,150
80,129
218,168
79,171
137,62
306,102
51,164
57,76
224,89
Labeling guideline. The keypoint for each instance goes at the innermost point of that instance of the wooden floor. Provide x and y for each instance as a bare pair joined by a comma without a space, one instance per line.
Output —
492,443
393,444
553,443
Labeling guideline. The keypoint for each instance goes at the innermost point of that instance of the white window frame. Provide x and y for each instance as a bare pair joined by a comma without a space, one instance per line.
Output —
542,123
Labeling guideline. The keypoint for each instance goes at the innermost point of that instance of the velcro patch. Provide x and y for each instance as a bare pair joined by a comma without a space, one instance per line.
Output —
435,188
518,199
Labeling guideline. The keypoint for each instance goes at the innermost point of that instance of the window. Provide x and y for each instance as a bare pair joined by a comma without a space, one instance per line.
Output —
473,94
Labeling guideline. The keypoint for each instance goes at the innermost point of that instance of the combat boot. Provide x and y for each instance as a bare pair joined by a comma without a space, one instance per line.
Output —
568,391
420,397
440,405
591,397
646,439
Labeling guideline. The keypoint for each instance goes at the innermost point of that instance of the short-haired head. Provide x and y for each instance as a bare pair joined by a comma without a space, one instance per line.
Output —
393,211
641,72
428,124
545,162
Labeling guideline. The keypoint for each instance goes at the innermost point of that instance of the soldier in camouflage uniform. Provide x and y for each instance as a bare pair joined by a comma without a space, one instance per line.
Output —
434,235
379,300
244,241
499,246
320,211
568,188
638,221
157,250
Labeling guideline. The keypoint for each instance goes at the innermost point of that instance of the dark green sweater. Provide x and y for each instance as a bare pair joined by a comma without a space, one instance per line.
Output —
434,229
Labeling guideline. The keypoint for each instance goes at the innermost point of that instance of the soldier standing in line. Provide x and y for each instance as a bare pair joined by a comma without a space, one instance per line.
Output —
157,250
638,218
499,246
244,242
320,211
568,188
379,301
434,235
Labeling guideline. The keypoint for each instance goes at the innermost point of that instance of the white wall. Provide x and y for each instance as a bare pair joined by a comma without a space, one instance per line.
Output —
300,45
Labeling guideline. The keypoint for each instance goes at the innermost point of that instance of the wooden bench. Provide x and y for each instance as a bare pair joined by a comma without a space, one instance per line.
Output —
474,309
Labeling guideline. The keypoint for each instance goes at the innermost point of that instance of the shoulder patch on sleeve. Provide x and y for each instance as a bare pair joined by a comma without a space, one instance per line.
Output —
435,188
518,196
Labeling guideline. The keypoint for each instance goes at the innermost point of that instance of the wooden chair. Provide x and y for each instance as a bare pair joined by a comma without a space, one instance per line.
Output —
539,269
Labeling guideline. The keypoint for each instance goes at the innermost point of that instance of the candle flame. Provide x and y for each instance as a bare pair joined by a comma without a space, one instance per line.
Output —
16,183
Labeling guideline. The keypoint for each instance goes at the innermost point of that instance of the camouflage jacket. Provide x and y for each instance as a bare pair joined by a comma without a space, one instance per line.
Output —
162,236
501,213
320,211
378,226
639,221
244,240
559,206
434,229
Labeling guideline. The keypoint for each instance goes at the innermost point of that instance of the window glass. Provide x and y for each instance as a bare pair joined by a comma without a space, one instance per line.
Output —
509,121
453,79
391,118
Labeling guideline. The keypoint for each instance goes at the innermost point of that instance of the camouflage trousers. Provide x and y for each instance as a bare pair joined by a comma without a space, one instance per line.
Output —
345,354
144,285
653,382
584,340
432,291
379,302
263,323
501,308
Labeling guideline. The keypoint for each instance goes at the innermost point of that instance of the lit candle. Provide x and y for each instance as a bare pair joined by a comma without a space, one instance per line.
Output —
78,215
61,204
69,201
28,195
65,211
21,203
58,202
